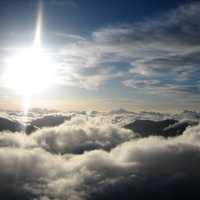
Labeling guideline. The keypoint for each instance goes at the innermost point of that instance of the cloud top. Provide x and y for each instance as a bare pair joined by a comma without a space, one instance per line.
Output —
89,157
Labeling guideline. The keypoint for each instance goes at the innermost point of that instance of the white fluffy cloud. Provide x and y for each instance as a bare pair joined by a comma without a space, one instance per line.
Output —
79,135
45,165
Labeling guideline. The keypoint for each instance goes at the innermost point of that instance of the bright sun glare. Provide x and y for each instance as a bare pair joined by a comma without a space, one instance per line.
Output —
30,71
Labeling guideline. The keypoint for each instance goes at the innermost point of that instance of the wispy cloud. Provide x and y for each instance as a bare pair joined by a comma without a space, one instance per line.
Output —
165,49
159,54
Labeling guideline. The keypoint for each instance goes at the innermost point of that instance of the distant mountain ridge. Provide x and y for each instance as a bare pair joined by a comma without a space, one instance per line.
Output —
167,128
7,124
49,120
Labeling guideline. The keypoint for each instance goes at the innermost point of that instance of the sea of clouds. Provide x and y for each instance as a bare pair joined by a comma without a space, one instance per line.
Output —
89,155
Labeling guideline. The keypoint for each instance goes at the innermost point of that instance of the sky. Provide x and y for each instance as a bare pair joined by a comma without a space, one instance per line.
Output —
138,55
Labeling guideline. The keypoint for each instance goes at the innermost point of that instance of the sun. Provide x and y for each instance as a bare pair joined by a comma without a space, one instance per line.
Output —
29,72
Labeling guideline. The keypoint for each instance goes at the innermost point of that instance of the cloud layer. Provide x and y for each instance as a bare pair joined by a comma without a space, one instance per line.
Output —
89,157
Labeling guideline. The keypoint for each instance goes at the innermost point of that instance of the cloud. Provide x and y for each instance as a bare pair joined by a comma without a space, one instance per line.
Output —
157,87
177,65
17,140
188,115
140,83
81,135
158,54
152,167
162,50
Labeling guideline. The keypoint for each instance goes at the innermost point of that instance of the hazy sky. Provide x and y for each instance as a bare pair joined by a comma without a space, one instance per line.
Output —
136,54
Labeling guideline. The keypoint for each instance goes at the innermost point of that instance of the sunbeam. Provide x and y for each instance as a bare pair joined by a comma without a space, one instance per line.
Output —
31,71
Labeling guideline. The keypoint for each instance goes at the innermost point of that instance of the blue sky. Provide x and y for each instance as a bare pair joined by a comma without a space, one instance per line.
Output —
110,54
